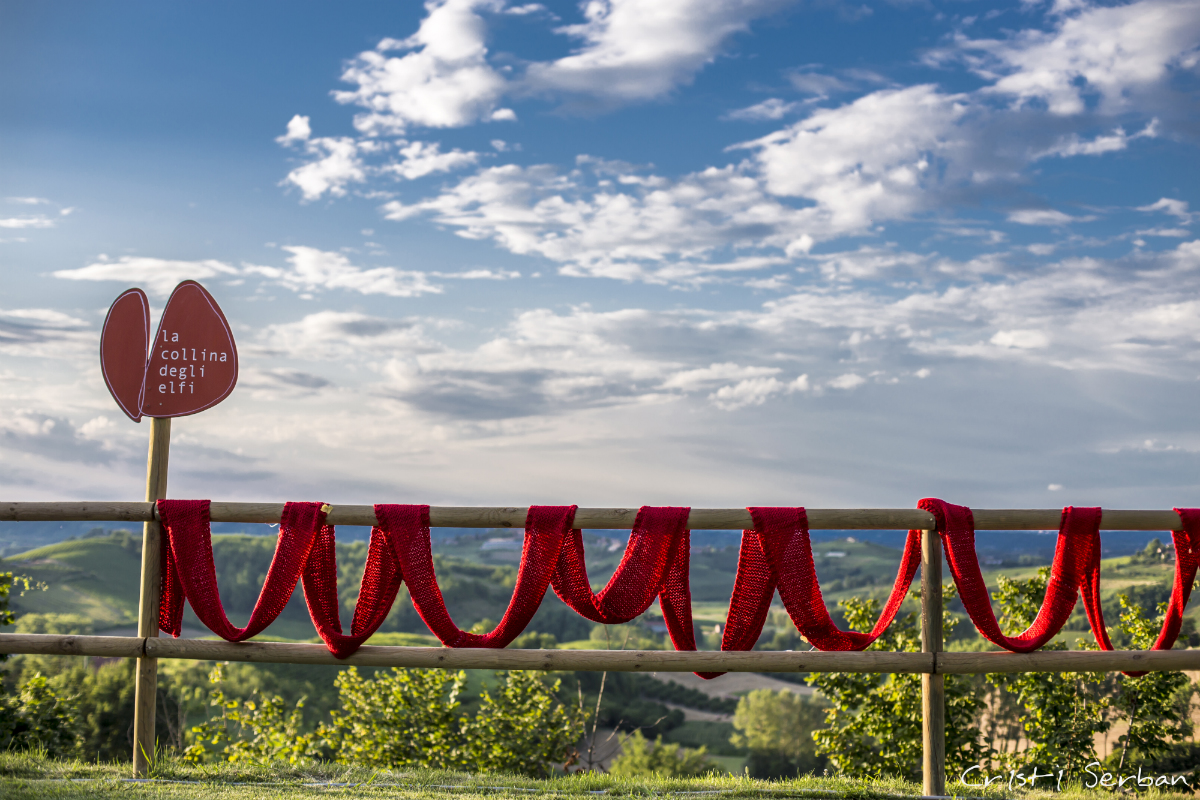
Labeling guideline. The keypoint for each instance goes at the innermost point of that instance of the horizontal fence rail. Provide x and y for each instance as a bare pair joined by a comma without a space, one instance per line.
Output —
600,660
596,518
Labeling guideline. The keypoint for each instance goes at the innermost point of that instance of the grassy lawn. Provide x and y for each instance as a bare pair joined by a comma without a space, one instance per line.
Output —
30,776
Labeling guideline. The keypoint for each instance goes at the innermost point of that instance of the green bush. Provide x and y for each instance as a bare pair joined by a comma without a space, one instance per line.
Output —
399,718
777,728
1156,705
1057,714
38,719
250,731
640,758
522,728
874,721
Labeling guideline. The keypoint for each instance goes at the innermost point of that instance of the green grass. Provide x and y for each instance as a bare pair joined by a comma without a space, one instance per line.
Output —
24,775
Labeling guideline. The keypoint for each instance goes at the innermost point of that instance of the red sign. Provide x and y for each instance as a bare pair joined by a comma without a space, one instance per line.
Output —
192,362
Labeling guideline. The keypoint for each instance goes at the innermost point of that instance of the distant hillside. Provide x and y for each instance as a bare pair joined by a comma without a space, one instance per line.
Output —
97,576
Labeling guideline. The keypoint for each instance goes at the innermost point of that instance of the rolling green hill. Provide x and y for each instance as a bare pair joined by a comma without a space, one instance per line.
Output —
97,576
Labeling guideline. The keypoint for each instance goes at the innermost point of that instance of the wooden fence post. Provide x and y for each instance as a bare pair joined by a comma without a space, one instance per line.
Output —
146,685
933,687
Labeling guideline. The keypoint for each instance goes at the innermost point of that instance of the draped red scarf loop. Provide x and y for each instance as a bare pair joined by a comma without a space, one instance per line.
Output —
776,555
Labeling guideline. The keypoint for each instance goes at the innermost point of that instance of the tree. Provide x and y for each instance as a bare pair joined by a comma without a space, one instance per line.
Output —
522,728
39,718
777,728
1156,705
6,615
874,721
254,731
641,758
1058,714
399,718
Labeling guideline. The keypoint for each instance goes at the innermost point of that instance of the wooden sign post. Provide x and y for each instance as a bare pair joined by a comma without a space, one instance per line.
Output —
190,365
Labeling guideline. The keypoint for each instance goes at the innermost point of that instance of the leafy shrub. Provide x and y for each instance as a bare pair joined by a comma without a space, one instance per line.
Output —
874,722
1057,714
38,718
777,728
641,758
255,731
1156,705
399,718
522,728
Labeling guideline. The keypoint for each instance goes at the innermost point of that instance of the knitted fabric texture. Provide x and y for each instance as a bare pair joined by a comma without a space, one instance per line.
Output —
1078,547
189,571
1187,558
408,529
376,593
776,555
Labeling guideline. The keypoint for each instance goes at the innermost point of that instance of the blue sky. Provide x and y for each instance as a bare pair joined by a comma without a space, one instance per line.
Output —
617,252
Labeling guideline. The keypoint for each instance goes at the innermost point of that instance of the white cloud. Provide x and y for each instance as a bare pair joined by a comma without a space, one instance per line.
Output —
848,381
526,9
1118,140
442,81
338,162
611,220
641,49
1123,316
480,275
344,335
1168,205
313,269
42,332
867,263
1045,216
425,158
770,109
28,201
750,392
821,85
717,373
298,130
26,222
1114,53
96,427
158,276
875,158
1020,339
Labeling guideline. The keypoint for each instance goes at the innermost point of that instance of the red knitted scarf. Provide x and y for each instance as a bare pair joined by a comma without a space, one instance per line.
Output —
775,555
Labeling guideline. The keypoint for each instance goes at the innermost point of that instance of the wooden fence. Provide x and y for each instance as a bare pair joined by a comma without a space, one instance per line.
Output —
932,663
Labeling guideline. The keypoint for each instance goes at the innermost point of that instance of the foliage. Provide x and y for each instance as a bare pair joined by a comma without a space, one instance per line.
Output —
777,728
642,758
522,728
874,722
6,585
1057,714
399,718
8,582
411,718
532,640
1156,705
631,701
38,718
257,731
63,624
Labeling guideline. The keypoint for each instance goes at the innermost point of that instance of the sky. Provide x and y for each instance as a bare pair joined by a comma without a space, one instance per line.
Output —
617,252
